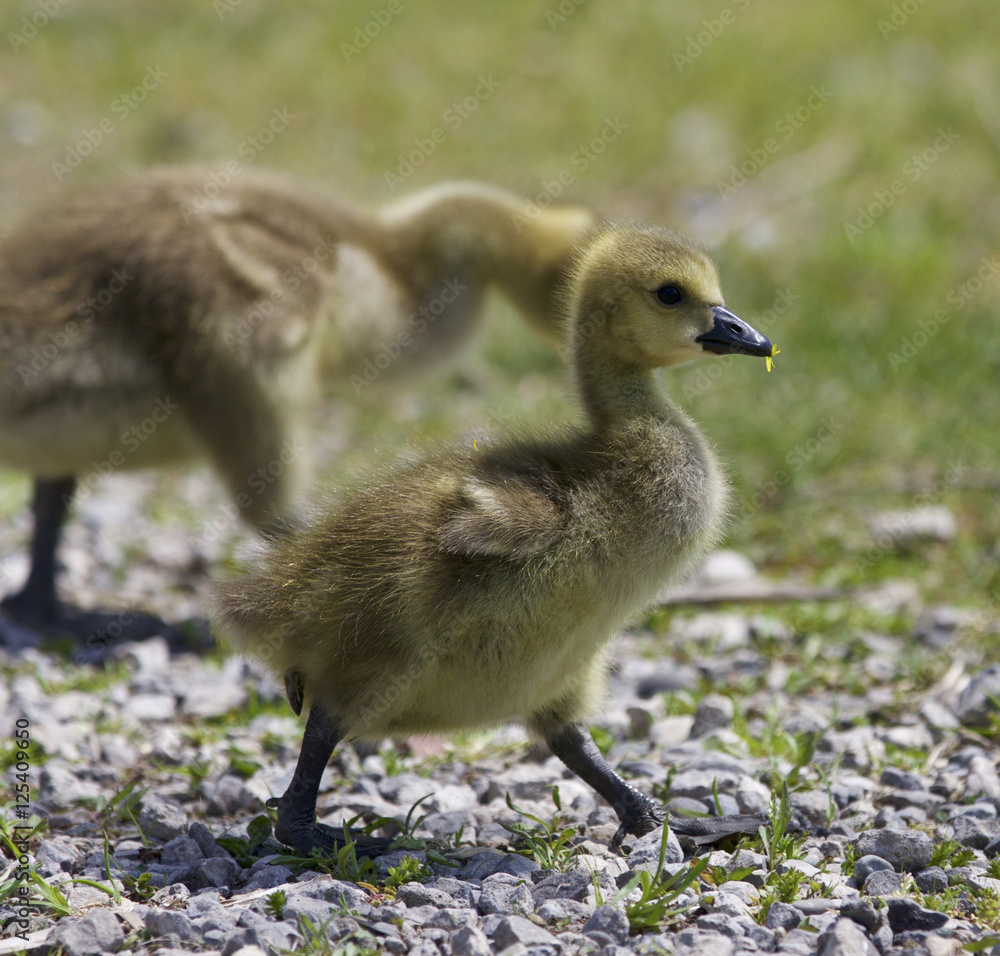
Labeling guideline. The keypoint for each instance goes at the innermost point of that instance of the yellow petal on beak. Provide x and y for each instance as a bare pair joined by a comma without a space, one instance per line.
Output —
769,359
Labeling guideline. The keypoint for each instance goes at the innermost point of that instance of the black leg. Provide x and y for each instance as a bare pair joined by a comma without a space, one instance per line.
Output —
37,601
638,814
296,825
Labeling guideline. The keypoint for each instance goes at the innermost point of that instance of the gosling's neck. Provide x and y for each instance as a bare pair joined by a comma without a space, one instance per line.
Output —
484,236
617,392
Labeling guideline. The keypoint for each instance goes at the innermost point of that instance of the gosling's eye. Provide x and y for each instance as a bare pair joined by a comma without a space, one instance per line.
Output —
669,295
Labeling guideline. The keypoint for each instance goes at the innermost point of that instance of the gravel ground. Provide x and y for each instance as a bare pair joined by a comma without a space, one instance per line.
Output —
151,773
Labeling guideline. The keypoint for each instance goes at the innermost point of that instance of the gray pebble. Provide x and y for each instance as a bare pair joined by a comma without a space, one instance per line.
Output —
932,880
713,713
336,892
506,899
214,872
457,890
646,849
703,943
889,818
161,819
813,806
845,938
60,852
907,850
452,917
469,941
97,932
884,883
982,779
181,849
782,916
206,842
610,921
574,885
869,864
152,707
316,910
975,832
416,894
227,796
745,892
905,915
938,716
978,700
862,912
901,779
516,929
904,528
723,923
816,906
161,923
557,911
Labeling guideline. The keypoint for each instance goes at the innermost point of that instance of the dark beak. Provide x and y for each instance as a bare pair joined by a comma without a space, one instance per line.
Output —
730,334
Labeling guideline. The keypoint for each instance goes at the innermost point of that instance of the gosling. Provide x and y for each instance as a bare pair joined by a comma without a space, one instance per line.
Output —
178,315
484,584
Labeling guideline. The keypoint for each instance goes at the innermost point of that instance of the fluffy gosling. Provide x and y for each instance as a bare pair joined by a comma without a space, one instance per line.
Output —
217,314
483,585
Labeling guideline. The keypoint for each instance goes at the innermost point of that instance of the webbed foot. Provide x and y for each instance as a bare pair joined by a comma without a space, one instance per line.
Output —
305,836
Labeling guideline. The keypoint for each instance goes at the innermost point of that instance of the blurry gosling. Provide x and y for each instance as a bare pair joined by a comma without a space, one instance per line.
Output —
484,584
177,315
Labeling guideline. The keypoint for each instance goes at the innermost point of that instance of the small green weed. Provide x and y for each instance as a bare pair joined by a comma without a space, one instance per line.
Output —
342,864
550,844
772,742
778,843
315,941
963,901
409,870
657,905
275,904
780,888
48,895
140,887
241,763
851,856
244,849
950,853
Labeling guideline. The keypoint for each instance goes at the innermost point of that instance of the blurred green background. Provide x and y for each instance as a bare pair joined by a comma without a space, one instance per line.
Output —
841,158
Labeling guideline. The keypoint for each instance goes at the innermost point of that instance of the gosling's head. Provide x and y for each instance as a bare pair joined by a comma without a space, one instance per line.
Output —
655,299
